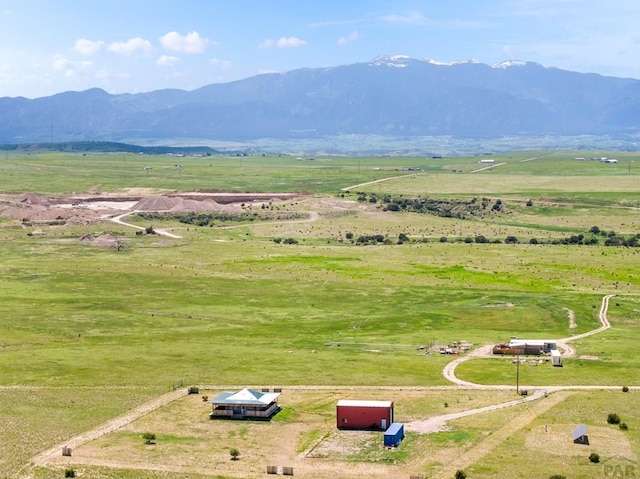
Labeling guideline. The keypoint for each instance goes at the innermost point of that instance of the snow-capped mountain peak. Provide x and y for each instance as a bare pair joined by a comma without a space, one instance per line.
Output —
398,61
509,63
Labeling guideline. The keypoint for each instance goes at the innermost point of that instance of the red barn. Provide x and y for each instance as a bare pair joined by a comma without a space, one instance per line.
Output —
377,415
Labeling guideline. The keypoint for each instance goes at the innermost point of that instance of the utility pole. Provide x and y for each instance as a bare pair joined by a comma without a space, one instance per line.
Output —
517,374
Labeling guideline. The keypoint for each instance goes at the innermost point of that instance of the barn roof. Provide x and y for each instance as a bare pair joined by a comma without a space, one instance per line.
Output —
245,396
364,403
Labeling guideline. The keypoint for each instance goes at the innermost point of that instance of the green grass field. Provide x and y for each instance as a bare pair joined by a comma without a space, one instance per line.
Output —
231,306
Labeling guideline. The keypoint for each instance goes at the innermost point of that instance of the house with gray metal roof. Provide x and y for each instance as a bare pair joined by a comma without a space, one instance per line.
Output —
245,404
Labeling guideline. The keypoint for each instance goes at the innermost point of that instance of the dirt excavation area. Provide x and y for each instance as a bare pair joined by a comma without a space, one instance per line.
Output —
35,209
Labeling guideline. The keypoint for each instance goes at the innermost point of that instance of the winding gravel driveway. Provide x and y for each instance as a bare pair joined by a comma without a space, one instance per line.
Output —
449,370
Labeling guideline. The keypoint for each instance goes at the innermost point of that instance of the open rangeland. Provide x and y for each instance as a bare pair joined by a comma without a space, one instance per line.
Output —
307,280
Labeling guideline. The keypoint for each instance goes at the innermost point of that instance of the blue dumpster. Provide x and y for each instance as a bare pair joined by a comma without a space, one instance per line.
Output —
394,435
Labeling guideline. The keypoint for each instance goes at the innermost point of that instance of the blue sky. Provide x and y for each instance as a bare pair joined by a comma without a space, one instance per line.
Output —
131,46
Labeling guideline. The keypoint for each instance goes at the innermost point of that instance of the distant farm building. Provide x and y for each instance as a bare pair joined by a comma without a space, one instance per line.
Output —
394,435
487,161
245,404
526,347
372,415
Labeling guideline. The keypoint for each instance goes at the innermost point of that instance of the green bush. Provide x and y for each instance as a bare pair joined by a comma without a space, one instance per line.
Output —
594,457
625,389
557,476
613,418
624,426
69,473
460,474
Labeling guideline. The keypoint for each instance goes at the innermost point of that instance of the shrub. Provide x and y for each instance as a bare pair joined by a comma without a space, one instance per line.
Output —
69,473
613,418
625,389
149,437
557,476
623,426
460,474
594,457
149,230
235,454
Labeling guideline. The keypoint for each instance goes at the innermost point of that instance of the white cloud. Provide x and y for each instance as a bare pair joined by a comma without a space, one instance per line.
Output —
71,69
60,62
87,47
352,37
167,61
223,64
131,46
190,43
283,42
268,43
290,42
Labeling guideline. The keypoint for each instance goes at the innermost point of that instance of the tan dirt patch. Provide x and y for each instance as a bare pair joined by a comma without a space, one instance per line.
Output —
558,441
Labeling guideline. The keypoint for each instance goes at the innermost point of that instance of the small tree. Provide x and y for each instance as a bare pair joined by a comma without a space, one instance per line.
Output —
613,418
460,474
235,454
594,457
149,437
625,389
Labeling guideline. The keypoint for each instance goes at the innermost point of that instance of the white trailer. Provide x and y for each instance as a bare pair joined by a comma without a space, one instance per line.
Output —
556,358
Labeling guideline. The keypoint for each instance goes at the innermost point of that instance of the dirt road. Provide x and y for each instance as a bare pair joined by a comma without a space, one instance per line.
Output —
604,321
118,220
449,370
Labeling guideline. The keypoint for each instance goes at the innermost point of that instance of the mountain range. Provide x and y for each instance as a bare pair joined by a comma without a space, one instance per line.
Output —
391,95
